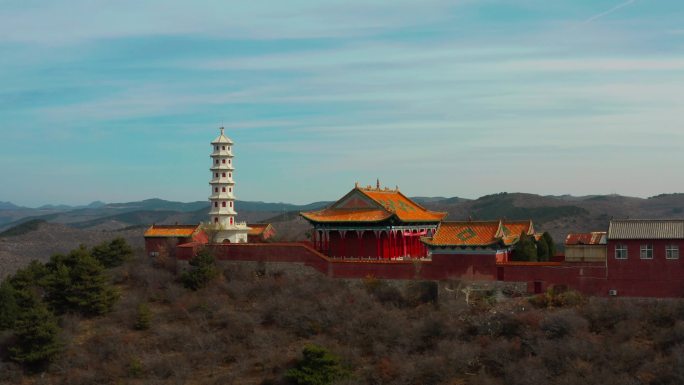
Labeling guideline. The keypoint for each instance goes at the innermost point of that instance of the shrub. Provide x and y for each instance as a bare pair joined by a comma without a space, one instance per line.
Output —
202,272
603,314
317,367
135,368
144,317
422,292
568,298
562,323
385,293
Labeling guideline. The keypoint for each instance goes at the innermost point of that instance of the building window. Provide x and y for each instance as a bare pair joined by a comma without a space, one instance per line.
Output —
223,204
646,251
230,174
216,148
230,189
215,219
621,252
231,220
215,189
216,175
223,189
223,161
223,174
231,203
672,252
222,147
216,162
215,204
228,161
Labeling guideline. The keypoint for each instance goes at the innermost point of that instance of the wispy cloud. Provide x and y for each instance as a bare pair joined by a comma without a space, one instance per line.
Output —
608,12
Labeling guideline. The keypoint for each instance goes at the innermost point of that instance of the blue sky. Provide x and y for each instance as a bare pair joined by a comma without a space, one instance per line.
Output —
117,101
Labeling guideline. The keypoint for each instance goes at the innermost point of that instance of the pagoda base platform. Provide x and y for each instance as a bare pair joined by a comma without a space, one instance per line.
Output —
233,234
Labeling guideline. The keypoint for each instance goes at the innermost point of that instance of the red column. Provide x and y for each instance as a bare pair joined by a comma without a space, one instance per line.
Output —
385,245
403,243
377,243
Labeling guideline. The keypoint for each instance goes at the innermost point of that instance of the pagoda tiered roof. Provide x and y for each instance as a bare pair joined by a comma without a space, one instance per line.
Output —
373,205
222,139
480,233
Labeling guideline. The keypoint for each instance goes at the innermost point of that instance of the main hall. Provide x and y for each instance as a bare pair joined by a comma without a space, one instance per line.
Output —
373,222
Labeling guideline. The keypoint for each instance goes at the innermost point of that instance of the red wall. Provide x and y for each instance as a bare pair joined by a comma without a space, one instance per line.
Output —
588,278
480,267
649,277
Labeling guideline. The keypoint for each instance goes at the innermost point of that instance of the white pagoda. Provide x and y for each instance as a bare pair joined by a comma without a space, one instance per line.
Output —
222,215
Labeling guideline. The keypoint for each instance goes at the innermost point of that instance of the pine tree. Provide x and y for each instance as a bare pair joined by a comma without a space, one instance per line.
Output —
525,249
78,283
9,309
203,270
31,277
551,245
542,250
37,335
112,254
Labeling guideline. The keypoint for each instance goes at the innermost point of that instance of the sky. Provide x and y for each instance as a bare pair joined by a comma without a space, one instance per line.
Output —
118,100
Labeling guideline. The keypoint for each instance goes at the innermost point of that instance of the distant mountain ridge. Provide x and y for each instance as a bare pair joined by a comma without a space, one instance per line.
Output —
556,214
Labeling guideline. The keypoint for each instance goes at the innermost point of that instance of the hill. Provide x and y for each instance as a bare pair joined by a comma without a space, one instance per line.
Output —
557,214
253,323
39,240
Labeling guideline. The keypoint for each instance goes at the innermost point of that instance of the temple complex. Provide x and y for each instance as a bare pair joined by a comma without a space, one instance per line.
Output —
375,223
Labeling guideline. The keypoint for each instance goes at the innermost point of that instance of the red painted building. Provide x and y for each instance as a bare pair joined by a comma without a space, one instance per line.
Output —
472,249
161,240
643,257
373,223
260,232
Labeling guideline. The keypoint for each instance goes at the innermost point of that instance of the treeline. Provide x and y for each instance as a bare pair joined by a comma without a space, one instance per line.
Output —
529,249
33,298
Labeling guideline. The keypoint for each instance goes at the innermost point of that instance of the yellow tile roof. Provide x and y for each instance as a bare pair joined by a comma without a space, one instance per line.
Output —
384,204
479,233
257,228
171,231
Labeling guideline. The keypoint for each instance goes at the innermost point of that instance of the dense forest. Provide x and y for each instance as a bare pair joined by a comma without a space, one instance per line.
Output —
105,316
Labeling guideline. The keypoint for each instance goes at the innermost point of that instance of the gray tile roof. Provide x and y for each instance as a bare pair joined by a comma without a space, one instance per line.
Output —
646,229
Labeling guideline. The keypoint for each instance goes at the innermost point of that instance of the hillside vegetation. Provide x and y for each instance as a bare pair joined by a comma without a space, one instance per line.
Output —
258,324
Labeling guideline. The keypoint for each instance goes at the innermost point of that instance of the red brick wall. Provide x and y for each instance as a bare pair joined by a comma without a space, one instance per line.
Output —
480,267
588,278
648,277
